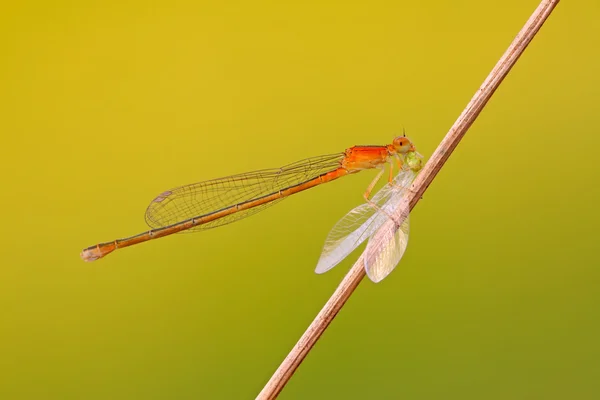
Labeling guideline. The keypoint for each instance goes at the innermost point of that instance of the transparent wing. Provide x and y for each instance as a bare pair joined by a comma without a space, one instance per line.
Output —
362,222
198,199
382,257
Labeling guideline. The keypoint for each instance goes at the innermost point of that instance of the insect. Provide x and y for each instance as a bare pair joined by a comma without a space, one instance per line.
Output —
217,202
364,221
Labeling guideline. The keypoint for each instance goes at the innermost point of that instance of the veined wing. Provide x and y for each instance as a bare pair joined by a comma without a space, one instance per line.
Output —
362,222
383,256
198,199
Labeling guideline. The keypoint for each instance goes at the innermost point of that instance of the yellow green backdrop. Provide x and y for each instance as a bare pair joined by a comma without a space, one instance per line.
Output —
106,104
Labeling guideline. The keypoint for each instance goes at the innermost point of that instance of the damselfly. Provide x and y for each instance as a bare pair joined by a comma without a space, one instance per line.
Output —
217,202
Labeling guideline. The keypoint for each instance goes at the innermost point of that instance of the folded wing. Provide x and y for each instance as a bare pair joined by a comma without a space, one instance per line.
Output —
362,222
386,248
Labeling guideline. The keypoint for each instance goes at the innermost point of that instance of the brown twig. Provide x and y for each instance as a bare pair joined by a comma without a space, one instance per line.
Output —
424,179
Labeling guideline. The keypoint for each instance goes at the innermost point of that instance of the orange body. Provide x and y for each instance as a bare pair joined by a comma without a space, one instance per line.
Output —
355,159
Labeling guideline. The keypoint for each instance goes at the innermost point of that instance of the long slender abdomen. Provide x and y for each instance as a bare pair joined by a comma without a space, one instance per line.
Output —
102,249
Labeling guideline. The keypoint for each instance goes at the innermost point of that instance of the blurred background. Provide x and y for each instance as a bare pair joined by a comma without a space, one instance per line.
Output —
106,104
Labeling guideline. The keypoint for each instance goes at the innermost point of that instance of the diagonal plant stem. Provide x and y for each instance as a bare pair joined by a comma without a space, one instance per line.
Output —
421,183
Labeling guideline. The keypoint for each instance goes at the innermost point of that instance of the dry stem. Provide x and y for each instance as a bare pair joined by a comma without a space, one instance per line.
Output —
424,179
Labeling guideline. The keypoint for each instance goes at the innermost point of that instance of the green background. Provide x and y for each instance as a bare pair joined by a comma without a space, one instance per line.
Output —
106,104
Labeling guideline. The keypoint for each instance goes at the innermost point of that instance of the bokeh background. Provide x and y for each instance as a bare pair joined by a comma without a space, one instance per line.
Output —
106,104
